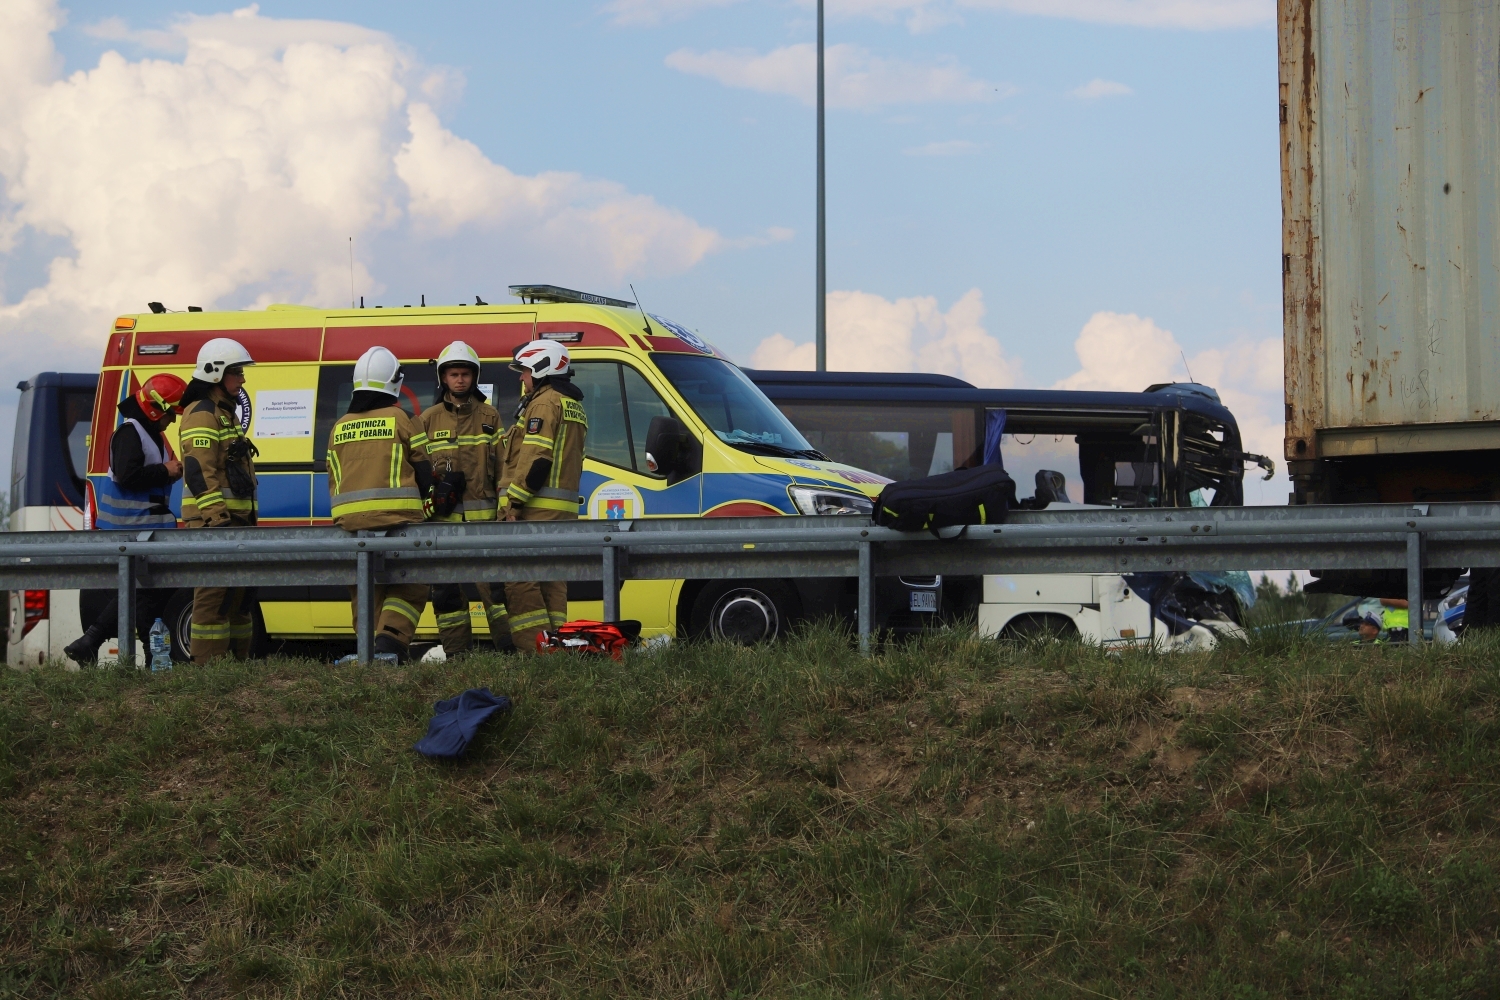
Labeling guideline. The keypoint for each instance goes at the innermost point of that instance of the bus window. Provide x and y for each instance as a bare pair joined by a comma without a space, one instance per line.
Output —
1027,454
49,460
21,446
77,409
891,439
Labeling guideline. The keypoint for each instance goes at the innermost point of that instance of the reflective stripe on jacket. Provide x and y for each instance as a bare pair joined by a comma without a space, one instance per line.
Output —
371,482
544,452
119,509
463,438
209,477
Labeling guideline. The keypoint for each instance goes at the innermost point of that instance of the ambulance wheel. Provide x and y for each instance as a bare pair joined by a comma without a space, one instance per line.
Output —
744,612
179,619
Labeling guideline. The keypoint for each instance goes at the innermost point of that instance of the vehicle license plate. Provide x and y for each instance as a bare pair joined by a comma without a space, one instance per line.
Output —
924,600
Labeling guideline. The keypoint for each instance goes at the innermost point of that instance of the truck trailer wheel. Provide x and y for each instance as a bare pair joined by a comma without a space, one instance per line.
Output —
746,612
1034,627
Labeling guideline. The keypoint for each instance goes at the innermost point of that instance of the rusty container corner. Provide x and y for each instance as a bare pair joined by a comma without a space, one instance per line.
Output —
1390,190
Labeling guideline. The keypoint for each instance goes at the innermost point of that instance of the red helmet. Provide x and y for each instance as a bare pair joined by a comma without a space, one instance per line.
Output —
161,394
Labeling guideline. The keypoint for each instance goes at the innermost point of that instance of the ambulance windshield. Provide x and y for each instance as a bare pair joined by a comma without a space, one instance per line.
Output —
732,405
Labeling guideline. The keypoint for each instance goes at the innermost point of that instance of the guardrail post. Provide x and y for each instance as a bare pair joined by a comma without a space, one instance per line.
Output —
614,563
125,612
866,595
364,603
1416,618
611,583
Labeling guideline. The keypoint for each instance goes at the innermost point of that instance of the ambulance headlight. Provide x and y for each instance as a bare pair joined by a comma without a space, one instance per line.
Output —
811,500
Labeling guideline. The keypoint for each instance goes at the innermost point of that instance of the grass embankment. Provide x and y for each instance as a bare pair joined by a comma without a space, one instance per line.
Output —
949,819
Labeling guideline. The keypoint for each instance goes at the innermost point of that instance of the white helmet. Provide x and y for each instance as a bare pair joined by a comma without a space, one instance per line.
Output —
542,358
377,370
458,353
218,355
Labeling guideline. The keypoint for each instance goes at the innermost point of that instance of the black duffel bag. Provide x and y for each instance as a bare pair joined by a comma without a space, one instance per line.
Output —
968,496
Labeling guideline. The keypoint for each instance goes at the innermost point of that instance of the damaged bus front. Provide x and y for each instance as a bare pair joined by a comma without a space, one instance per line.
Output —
1174,445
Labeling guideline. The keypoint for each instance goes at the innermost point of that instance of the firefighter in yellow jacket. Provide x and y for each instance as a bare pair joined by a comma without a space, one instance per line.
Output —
463,430
543,460
379,477
218,489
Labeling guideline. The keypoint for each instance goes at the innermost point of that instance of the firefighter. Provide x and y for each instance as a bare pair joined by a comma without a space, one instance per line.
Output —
379,477
218,489
463,430
136,497
543,460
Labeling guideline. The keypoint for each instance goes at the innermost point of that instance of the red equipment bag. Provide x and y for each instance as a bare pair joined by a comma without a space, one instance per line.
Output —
605,638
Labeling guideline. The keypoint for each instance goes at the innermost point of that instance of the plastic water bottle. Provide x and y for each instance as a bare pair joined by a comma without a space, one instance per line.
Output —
161,647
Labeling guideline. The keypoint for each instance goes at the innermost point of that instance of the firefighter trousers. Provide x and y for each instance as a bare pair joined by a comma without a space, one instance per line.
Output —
450,603
536,605
397,610
221,622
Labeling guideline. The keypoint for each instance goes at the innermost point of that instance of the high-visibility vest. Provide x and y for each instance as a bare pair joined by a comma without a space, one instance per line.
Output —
119,509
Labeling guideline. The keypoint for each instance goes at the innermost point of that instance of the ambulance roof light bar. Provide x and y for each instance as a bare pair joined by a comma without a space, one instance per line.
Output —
552,293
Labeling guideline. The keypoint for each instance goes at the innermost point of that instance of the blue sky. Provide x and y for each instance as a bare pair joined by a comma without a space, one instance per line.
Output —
1006,189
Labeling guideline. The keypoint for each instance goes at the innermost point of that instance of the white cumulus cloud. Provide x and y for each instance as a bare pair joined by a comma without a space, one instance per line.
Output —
869,333
1203,15
234,172
854,76
1096,88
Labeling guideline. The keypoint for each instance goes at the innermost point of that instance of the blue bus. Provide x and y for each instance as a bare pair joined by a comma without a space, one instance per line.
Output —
48,465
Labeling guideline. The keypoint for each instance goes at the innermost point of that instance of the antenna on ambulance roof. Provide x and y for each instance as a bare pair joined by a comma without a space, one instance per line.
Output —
644,315
351,272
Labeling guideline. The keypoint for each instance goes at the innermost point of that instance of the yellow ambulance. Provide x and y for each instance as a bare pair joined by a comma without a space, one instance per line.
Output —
718,447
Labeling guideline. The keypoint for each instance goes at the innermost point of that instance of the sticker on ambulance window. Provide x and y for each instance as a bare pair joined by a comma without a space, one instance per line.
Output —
284,413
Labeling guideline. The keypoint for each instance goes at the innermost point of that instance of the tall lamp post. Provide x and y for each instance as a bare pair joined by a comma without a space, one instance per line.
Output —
822,310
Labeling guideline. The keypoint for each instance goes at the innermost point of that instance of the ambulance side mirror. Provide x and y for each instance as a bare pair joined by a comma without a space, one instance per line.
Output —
663,446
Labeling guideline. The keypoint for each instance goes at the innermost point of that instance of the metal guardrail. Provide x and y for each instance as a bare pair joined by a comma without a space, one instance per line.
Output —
1377,536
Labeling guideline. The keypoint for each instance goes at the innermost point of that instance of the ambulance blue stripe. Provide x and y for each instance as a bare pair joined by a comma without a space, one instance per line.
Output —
286,494
727,487
321,502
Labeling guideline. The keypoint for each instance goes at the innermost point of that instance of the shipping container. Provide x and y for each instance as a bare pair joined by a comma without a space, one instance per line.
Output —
1390,173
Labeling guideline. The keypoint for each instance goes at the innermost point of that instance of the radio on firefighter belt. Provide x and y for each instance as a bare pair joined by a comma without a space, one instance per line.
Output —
240,481
447,491
240,449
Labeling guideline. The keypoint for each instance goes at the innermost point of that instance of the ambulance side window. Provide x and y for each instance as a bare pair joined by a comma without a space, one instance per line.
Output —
335,386
504,389
609,435
641,403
